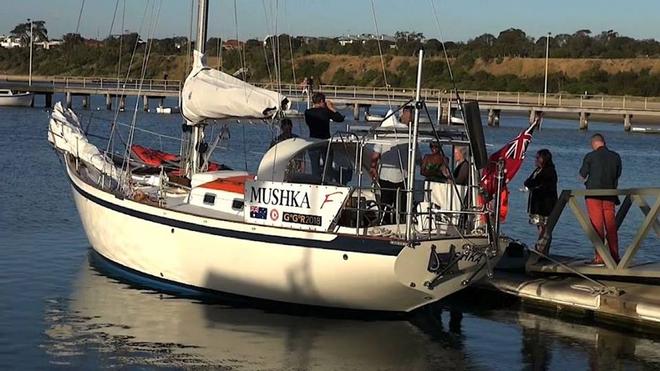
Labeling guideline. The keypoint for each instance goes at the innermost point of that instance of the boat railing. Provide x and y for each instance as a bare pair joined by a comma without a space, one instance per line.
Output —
430,220
637,196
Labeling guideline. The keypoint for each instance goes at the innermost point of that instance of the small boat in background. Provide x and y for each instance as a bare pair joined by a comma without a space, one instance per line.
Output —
645,130
11,99
167,110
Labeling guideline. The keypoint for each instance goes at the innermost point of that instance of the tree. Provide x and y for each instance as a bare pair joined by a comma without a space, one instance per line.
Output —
39,32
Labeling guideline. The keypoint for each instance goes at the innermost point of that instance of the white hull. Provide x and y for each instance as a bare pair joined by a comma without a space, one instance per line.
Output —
270,263
16,100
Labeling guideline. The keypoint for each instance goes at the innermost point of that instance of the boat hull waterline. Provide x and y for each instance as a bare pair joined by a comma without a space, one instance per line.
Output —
16,100
238,258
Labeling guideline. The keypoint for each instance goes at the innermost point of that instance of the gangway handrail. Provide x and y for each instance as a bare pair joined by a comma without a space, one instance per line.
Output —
632,196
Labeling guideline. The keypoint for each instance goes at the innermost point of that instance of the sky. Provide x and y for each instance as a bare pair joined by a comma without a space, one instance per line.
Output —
459,20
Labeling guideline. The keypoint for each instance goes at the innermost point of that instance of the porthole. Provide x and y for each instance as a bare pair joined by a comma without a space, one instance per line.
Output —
209,199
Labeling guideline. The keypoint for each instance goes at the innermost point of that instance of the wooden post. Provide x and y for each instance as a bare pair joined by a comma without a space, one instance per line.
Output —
108,102
584,120
627,122
68,99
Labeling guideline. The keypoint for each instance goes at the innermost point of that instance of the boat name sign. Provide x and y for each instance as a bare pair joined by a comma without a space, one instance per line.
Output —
296,206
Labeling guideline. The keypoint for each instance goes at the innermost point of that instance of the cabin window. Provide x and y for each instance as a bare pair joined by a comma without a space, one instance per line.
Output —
209,199
237,204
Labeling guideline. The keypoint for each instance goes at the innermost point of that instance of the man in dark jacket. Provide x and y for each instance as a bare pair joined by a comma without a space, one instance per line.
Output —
318,119
601,169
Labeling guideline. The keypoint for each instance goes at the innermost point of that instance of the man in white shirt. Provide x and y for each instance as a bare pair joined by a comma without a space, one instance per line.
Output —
393,160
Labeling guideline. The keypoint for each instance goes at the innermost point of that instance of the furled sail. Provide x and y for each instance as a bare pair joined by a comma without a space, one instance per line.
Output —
66,134
211,94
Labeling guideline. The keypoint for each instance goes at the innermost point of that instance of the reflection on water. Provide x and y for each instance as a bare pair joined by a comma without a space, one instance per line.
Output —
112,321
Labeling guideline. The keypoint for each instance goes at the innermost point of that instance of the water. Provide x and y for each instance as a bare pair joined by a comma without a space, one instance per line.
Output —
60,307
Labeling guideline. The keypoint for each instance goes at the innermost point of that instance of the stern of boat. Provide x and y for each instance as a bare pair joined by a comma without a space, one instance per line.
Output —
440,268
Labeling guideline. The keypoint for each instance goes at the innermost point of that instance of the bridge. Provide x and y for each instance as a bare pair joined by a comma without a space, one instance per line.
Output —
582,107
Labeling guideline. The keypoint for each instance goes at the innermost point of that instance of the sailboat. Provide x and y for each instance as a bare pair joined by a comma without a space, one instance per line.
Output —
287,233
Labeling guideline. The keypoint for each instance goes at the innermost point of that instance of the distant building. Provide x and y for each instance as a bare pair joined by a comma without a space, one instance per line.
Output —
232,44
10,41
363,38
49,44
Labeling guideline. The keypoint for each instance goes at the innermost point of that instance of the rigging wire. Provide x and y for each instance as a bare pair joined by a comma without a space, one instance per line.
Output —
241,49
155,13
380,52
82,6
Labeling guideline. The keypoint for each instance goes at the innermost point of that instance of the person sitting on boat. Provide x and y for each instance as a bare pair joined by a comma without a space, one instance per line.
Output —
318,119
461,172
542,185
286,127
434,164
392,172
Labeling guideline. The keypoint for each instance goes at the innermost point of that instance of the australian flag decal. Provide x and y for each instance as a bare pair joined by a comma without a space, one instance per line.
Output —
257,212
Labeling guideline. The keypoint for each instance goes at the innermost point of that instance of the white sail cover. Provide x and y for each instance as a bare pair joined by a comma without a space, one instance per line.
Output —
210,94
65,134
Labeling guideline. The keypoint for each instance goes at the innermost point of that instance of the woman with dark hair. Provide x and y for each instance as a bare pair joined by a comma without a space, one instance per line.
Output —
542,185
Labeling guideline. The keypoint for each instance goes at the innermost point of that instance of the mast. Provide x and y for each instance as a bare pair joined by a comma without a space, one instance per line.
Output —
412,149
200,48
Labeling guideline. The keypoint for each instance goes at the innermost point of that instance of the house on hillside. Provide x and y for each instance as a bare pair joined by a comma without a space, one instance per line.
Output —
363,38
10,41
49,44
232,44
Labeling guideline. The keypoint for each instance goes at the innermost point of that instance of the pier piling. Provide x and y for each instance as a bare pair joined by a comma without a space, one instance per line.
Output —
356,111
85,101
627,122
584,120
145,103
108,102
494,117
48,100
68,100
122,102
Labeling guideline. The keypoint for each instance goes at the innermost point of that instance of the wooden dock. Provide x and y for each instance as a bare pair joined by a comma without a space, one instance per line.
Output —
625,109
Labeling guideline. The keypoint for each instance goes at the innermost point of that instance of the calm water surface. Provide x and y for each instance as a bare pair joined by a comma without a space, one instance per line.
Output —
63,307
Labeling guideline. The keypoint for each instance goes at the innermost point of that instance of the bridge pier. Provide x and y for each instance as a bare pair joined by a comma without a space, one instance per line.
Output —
145,103
627,122
494,117
108,102
122,103
48,100
584,120
85,101
68,99
536,115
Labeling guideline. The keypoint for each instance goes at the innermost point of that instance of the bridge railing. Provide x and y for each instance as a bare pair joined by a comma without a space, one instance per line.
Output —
637,196
98,82
374,94
557,100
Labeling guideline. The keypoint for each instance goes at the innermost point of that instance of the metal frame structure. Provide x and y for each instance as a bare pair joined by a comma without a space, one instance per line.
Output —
632,196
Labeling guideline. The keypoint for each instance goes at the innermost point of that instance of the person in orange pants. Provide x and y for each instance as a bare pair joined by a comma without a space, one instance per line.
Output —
603,219
601,169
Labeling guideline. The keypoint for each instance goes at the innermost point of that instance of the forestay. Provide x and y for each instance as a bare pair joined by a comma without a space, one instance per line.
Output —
211,94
